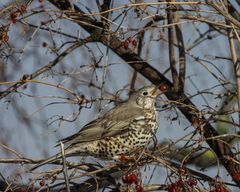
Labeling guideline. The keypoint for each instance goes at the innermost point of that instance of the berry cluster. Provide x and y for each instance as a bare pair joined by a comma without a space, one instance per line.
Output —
129,41
3,36
131,178
19,10
219,189
180,184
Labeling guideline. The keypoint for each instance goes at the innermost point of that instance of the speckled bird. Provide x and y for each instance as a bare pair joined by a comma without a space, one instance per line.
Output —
125,129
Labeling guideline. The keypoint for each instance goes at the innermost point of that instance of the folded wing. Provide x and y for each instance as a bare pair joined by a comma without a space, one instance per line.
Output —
106,126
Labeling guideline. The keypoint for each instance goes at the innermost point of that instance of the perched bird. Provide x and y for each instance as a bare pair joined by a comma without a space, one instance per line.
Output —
123,130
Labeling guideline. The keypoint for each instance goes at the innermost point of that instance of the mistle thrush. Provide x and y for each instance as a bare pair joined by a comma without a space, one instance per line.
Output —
123,130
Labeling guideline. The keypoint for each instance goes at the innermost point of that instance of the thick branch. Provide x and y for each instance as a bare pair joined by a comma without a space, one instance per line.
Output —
171,54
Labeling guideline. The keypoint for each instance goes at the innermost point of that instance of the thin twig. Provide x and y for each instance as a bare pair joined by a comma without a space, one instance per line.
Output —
43,69
65,170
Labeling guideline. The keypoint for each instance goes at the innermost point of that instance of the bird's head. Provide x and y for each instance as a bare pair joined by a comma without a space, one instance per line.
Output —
146,96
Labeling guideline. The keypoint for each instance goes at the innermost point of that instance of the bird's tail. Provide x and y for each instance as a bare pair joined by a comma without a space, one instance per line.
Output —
49,160
69,151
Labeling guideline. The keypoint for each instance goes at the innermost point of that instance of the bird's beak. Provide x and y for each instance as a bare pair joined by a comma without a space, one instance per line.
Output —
156,92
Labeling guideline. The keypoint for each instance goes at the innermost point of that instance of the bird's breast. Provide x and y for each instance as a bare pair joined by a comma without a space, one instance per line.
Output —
147,123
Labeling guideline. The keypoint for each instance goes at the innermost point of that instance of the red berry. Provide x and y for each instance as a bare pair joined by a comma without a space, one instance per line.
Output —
173,188
14,21
179,182
134,42
42,183
125,44
122,158
219,189
129,178
23,8
181,170
133,178
236,176
5,37
164,87
14,15
192,181
139,188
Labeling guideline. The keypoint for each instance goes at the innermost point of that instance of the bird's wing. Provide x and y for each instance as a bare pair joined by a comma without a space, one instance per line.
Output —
114,122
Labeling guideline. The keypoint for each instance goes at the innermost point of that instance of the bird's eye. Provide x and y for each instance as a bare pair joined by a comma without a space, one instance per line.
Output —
145,93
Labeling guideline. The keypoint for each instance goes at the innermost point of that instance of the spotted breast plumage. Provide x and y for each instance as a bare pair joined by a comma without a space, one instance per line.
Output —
123,130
